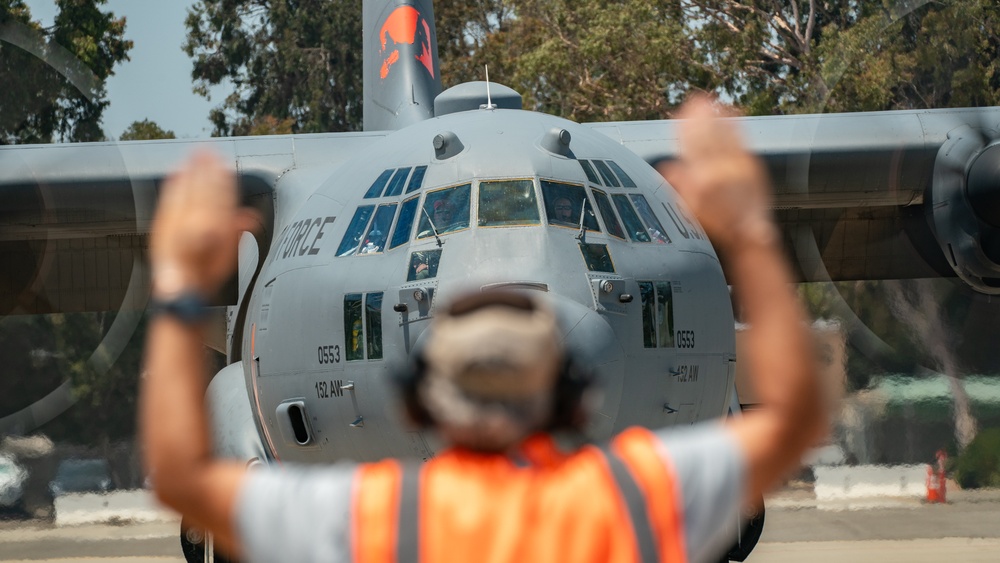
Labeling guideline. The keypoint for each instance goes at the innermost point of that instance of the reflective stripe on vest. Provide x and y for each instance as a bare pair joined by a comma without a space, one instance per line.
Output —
408,545
635,502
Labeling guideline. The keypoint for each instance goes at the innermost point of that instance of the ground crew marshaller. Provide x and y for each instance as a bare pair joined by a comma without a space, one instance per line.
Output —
493,380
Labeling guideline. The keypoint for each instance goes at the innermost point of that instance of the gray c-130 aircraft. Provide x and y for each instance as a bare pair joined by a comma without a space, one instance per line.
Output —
364,233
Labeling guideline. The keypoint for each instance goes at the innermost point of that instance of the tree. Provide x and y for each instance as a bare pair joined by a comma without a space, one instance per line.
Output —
811,56
298,61
38,103
145,130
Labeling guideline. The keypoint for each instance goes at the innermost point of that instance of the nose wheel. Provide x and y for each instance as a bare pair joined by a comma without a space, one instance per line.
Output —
749,535
197,547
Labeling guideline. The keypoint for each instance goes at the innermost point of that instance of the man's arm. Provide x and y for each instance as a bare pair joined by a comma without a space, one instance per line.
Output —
727,190
193,249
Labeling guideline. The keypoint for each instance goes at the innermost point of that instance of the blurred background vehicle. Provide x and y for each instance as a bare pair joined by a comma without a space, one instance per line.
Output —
81,476
12,478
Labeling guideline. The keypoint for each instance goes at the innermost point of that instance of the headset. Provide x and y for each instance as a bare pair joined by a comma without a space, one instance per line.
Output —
569,411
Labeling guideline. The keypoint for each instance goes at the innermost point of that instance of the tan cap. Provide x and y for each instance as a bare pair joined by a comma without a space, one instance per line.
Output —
495,346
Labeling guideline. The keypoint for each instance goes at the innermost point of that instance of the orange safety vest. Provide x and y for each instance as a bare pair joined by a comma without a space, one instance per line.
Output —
613,504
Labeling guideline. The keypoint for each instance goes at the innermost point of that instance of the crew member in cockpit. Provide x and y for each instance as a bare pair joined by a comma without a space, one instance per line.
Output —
444,216
563,212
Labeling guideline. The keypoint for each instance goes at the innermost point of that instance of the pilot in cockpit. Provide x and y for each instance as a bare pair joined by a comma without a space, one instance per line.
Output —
444,216
563,211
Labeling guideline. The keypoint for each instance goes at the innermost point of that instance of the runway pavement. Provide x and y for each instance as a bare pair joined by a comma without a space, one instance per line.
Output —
797,529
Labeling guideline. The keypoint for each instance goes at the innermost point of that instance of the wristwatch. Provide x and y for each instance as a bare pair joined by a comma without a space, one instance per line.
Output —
188,307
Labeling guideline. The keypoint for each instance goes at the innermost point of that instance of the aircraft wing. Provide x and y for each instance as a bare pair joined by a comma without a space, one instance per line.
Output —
879,195
75,218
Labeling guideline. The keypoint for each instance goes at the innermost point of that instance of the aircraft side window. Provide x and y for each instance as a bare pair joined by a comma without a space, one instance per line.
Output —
606,173
563,204
424,264
625,178
398,181
635,228
508,202
657,314
354,328
447,209
653,226
352,238
589,171
608,214
417,179
378,232
405,222
648,298
373,324
376,188
664,315
597,257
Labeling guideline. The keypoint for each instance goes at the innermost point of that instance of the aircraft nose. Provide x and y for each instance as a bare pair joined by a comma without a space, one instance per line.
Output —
592,342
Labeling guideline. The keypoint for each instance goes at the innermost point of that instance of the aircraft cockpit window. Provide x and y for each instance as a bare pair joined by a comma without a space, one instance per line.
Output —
363,324
352,238
354,328
376,189
444,211
608,214
606,173
589,171
417,179
424,264
657,314
653,226
636,230
378,233
625,178
597,257
507,202
398,181
373,324
405,223
563,204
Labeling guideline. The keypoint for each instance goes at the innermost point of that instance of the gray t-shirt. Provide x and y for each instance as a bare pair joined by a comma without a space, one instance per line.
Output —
303,513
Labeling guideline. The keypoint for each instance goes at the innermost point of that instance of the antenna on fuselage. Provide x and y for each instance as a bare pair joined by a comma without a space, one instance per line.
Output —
489,99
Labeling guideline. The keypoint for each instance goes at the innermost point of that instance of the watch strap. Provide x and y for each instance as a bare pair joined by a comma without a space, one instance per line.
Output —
187,307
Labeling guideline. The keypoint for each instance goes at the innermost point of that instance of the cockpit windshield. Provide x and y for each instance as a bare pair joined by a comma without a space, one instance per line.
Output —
507,203
445,211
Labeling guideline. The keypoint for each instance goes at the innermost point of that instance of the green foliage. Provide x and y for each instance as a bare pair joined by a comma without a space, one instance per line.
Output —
979,465
145,130
285,60
841,55
38,104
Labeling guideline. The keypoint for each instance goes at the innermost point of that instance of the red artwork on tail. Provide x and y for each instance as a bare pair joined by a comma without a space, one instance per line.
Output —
405,26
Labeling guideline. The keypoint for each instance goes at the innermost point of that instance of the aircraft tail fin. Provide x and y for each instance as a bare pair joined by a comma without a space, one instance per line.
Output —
402,75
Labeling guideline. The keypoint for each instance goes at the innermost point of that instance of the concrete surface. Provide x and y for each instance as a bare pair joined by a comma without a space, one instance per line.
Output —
869,481
117,506
798,528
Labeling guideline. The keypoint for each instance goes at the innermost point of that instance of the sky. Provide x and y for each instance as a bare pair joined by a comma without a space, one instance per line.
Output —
156,83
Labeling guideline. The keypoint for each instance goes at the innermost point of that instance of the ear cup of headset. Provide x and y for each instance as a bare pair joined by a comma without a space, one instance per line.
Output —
408,381
568,409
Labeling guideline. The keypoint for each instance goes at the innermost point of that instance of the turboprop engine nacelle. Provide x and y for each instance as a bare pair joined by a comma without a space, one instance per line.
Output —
964,209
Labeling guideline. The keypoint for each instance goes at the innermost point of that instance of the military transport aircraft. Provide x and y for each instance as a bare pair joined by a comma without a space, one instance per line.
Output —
364,233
